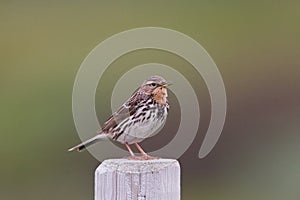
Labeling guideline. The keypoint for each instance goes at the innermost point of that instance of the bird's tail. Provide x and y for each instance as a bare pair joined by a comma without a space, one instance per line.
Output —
84,145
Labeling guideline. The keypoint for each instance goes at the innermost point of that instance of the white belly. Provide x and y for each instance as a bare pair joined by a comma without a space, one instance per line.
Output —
143,129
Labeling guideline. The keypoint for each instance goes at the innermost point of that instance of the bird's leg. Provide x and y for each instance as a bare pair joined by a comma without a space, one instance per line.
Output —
129,149
144,156
140,149
132,156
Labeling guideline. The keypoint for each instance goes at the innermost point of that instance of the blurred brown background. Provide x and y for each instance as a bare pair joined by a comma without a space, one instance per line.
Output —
256,46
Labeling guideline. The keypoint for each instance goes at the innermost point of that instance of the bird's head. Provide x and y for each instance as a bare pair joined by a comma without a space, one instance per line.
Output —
157,87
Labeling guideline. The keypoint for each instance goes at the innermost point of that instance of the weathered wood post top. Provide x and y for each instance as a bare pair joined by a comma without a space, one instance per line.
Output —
123,179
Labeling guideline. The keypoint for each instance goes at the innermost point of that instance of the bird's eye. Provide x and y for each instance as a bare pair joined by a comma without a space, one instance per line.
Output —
153,84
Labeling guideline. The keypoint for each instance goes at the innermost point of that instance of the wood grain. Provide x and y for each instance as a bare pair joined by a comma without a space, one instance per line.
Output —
123,179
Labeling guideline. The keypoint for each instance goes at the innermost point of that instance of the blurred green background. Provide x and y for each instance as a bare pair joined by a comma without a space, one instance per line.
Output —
255,44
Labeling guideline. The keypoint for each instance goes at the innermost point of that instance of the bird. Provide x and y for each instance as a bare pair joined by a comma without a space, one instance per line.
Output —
142,115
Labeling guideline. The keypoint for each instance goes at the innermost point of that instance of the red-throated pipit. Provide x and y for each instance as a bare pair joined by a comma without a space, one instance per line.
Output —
138,118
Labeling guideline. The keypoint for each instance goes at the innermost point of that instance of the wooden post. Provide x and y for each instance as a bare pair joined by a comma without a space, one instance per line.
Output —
123,179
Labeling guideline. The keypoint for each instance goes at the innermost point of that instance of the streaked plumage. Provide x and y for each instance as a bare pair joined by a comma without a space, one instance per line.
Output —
139,117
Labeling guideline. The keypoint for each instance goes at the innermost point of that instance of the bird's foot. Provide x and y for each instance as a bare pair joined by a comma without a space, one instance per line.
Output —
147,157
143,157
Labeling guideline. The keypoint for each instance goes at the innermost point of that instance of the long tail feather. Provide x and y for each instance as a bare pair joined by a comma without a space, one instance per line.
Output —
84,145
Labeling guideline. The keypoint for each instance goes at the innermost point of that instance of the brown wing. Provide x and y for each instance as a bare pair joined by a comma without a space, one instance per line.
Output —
125,111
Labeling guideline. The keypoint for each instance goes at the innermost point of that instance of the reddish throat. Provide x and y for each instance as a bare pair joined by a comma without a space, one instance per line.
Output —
160,95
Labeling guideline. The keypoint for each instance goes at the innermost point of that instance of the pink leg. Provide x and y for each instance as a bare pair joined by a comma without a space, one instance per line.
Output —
140,149
144,156
129,149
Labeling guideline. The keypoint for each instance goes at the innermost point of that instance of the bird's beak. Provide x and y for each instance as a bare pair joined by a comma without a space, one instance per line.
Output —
167,84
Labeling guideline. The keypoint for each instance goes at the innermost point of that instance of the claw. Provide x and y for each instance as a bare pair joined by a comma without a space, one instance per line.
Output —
143,157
